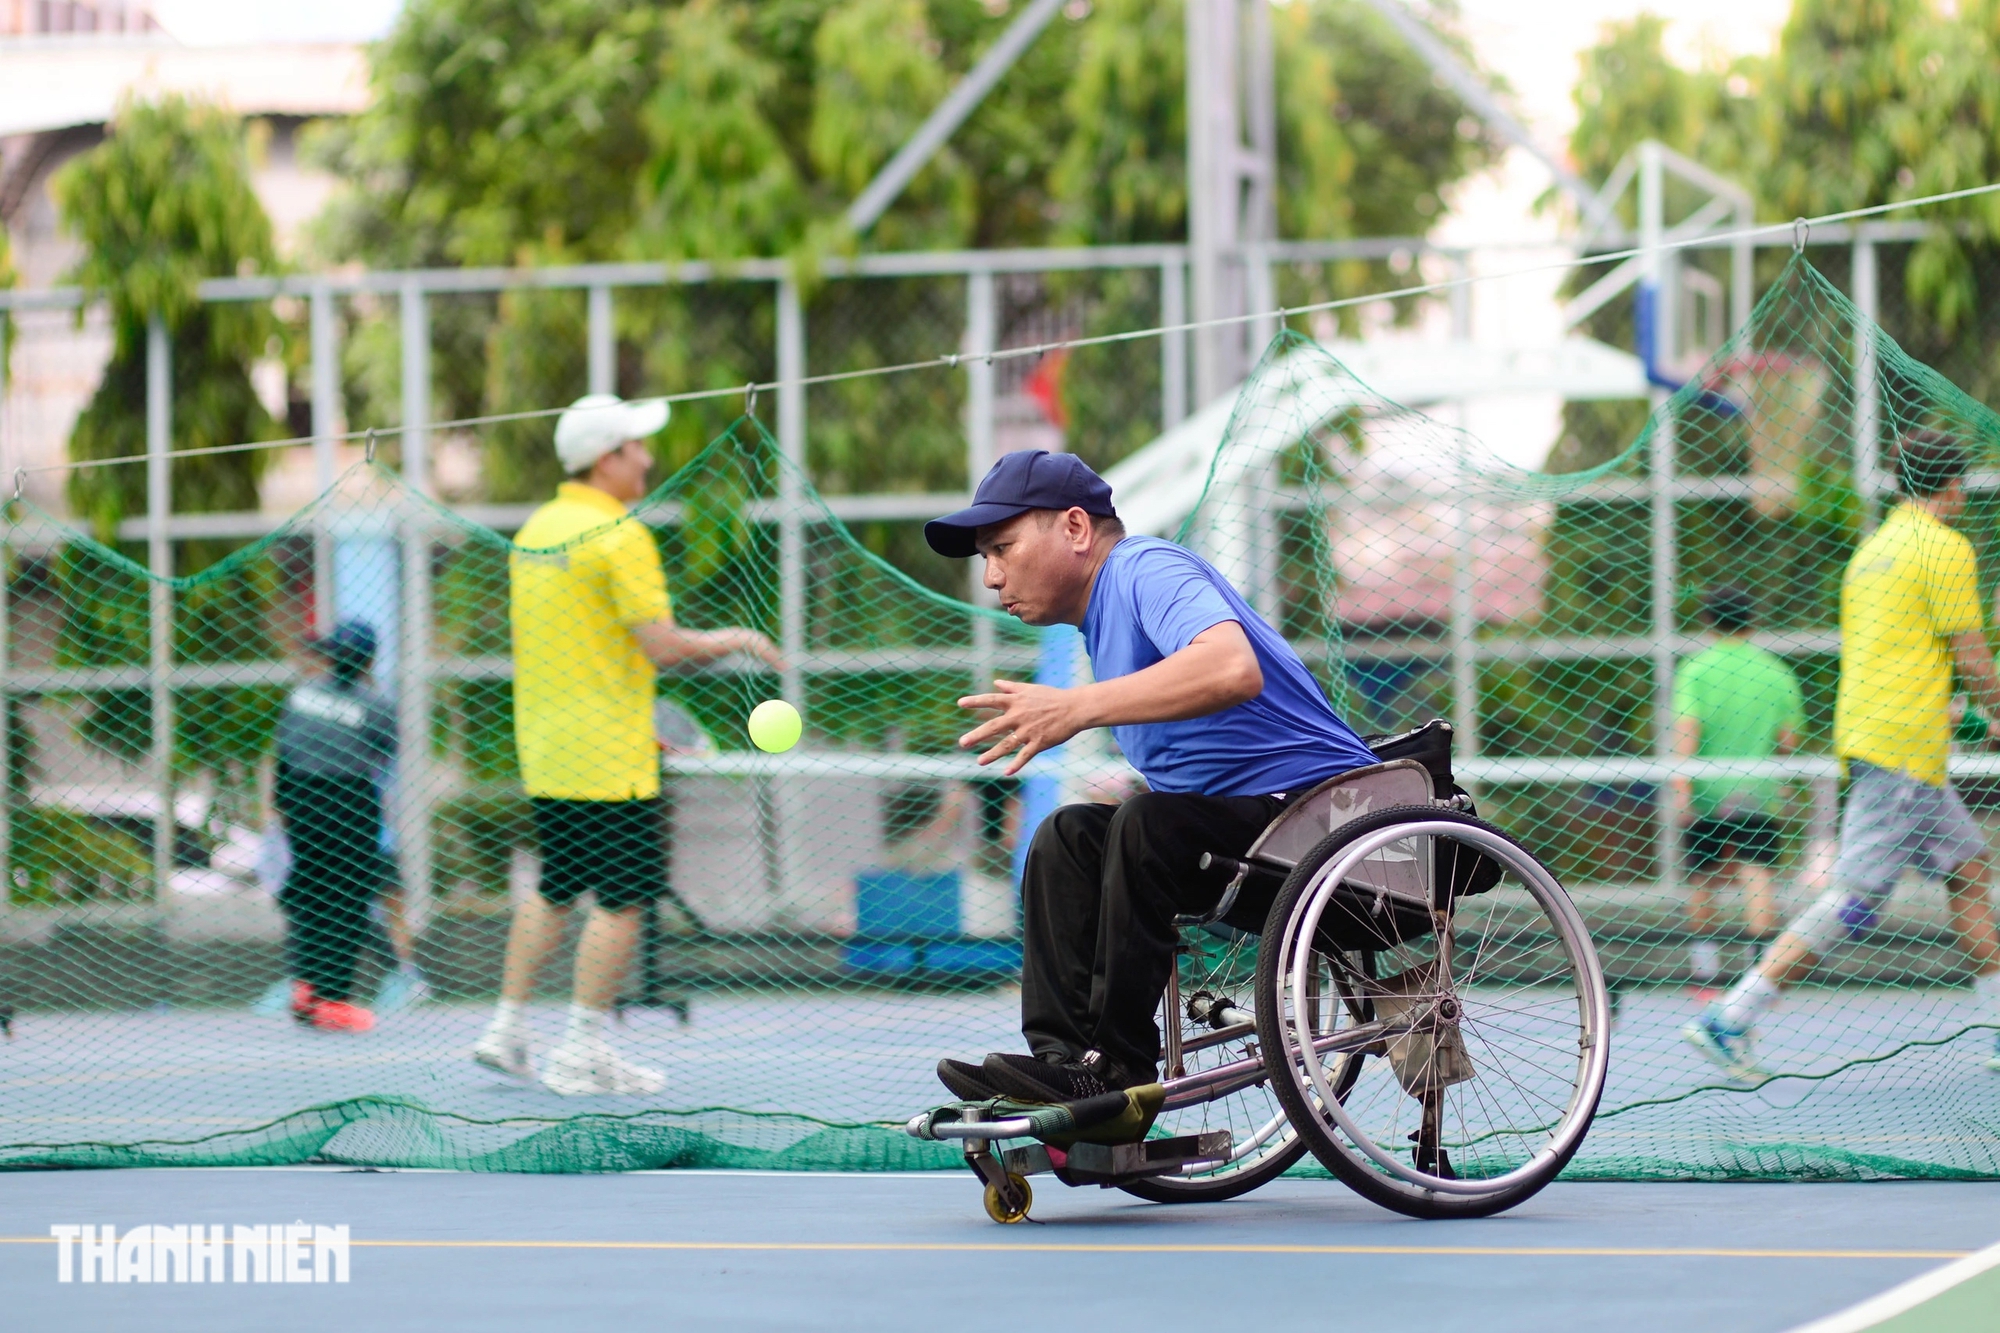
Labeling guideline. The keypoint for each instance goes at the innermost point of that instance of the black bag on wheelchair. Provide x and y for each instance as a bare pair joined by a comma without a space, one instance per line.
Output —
1430,745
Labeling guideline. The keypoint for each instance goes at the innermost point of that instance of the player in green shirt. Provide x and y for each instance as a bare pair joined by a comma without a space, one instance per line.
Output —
1732,701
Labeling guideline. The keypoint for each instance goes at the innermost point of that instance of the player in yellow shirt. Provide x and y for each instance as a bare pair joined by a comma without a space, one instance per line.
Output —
592,623
1909,613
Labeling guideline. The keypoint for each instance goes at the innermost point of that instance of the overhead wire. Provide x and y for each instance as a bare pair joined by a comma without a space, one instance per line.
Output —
1799,227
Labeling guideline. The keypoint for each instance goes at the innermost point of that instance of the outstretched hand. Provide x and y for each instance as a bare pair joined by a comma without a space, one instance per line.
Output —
1031,719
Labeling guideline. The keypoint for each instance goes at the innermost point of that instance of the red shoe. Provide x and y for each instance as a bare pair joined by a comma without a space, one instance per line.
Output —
303,1002
339,1016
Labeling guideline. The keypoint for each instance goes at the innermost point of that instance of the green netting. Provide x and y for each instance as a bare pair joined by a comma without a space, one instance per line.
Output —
840,915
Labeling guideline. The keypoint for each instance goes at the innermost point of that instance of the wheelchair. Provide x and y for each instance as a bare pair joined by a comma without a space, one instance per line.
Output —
1388,982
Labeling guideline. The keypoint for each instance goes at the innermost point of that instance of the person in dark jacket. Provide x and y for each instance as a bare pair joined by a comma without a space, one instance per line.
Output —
336,738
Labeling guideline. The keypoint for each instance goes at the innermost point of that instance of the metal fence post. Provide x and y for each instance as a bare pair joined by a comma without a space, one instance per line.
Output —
1867,392
1173,345
603,344
160,606
982,331
6,648
1666,574
6,704
1465,557
786,799
1260,285
791,488
325,354
414,796
1659,343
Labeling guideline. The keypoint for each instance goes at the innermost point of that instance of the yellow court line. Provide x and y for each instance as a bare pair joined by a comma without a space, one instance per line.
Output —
1086,1247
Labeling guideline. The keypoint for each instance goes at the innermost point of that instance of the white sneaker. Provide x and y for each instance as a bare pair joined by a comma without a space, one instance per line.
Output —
593,1069
505,1051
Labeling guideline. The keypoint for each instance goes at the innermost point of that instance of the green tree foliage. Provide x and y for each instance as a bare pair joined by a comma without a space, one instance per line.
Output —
541,130
720,182
1122,175
164,202
1366,144
878,75
1355,104
1630,90
1863,102
1353,95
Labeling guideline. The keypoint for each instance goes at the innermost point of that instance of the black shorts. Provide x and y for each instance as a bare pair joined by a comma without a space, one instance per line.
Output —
1753,839
618,848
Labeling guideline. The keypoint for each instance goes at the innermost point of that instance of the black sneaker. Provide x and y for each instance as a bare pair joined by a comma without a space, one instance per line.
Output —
967,1081
1028,1078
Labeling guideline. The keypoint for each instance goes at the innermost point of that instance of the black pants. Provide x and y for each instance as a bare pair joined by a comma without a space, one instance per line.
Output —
335,827
1098,901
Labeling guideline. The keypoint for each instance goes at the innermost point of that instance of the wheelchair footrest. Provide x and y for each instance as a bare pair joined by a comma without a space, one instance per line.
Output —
1108,1164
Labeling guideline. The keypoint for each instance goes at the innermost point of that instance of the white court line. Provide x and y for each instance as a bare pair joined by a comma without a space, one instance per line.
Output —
1906,1296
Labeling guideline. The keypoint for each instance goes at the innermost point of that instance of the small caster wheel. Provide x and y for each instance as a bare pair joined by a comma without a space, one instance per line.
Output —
998,1210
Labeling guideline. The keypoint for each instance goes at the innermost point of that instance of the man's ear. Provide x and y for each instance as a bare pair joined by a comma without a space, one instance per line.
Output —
1076,527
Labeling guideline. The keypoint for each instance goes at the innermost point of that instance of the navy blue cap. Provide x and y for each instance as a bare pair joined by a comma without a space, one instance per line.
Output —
1020,481
351,641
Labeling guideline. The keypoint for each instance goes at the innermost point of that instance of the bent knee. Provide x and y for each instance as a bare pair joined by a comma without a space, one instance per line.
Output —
1065,829
1147,809
1840,916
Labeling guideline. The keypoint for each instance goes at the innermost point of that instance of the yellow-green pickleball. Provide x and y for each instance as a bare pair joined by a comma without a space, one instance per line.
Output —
774,726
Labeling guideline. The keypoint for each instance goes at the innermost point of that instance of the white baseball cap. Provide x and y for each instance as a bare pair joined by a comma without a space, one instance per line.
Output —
597,423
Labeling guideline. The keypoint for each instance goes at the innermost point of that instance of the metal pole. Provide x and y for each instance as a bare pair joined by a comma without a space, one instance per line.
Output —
1207,120
1231,199
6,708
326,424
1656,300
159,565
603,342
1867,388
785,799
791,488
1665,581
1464,591
1173,346
1260,115
413,695
1261,289
982,332
1742,271
6,646
416,330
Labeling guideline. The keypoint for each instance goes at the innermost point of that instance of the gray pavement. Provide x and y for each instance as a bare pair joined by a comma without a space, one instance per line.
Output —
696,1250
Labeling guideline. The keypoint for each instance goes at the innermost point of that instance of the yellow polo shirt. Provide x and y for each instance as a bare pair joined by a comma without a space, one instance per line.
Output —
1908,589
583,574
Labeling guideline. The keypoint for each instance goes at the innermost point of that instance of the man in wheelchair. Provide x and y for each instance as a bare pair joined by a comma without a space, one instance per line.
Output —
1208,702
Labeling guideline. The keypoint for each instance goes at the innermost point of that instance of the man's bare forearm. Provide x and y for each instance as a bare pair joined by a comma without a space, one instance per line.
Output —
1207,676
1687,743
1975,667
667,645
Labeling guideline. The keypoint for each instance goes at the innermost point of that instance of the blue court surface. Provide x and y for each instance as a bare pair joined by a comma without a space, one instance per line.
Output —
719,1250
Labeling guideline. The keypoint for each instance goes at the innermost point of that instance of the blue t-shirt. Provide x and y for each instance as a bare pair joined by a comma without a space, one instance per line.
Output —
1150,600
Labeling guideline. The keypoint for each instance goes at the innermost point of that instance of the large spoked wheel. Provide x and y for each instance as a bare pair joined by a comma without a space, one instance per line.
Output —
1469,1052
1214,1013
